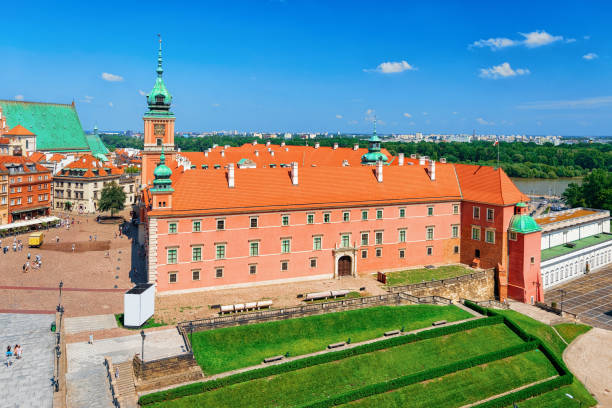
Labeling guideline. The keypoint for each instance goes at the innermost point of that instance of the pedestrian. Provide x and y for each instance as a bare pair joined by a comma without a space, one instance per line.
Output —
90,237
24,266
72,247
9,354
17,351
91,339
28,255
27,265
95,237
57,239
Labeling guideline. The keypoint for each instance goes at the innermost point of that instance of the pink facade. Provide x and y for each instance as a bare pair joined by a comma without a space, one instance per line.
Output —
524,278
398,250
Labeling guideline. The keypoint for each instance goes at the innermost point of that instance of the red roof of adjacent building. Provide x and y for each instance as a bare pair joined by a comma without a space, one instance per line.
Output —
37,156
93,167
488,185
23,161
19,131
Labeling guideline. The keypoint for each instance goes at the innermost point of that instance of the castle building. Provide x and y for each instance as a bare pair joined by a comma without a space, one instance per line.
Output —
29,186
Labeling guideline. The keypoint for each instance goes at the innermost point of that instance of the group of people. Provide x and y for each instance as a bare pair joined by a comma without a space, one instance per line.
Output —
17,246
13,352
36,264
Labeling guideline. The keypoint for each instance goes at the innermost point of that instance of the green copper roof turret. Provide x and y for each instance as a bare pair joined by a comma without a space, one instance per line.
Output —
162,175
523,223
374,154
159,99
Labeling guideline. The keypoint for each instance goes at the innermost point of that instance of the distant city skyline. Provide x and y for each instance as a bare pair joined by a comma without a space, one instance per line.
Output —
296,66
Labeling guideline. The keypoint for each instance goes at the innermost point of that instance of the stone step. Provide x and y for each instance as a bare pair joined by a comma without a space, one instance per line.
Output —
125,382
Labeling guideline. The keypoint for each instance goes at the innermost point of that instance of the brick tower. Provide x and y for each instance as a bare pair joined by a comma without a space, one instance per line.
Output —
524,247
158,125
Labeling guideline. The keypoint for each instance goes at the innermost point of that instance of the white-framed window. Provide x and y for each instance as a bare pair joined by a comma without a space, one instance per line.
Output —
218,272
429,250
476,213
172,255
402,213
345,240
402,235
196,226
378,252
346,216
253,248
310,219
430,211
172,277
365,238
455,231
220,251
455,208
402,253
284,266
220,224
429,233
196,253
490,236
195,275
285,220
490,214
379,237
512,236
286,245
317,243
476,233
364,215
456,249
379,214
252,269
364,253
253,222
313,262
327,217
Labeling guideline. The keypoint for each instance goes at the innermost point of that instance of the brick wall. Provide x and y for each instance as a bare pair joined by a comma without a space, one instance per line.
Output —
477,286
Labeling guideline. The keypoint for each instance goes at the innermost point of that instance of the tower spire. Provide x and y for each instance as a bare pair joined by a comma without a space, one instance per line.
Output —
160,70
374,125
162,157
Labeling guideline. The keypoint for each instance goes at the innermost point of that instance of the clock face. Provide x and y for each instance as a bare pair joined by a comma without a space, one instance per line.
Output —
159,129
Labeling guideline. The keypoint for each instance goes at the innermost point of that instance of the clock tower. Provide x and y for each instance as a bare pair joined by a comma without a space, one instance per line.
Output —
158,125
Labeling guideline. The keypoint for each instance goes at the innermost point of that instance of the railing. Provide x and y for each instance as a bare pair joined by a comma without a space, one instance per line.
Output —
426,299
285,313
492,303
436,283
114,388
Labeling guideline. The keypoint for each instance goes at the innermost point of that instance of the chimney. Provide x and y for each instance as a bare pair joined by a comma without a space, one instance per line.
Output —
432,170
335,146
222,153
227,146
356,146
268,143
294,173
421,161
413,156
401,159
256,152
272,153
379,168
317,145
209,150
230,176
254,142
442,159
206,153
286,149
282,144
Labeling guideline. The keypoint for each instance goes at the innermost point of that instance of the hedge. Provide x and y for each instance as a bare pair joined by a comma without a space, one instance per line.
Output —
475,307
404,381
528,392
200,387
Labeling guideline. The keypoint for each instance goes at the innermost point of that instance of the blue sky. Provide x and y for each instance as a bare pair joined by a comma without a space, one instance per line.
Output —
431,66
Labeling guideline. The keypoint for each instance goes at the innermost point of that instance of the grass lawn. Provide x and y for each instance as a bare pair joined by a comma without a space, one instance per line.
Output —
419,275
149,323
230,348
324,380
557,398
466,386
570,331
548,335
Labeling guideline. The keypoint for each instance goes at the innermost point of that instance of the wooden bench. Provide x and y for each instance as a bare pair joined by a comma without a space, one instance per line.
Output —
439,323
392,333
336,345
272,359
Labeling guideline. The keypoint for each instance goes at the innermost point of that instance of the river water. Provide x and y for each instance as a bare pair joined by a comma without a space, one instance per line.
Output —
536,186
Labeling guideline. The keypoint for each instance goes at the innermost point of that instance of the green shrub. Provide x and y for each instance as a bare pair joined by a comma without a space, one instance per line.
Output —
404,381
201,387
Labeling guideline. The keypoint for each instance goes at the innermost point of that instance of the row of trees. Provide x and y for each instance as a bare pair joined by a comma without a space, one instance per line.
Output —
517,159
594,192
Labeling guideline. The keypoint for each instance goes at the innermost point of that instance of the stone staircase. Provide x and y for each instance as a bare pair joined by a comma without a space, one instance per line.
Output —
121,378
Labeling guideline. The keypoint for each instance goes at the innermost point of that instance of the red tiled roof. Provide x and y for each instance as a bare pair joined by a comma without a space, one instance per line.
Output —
91,163
304,155
37,156
24,161
320,187
19,131
487,185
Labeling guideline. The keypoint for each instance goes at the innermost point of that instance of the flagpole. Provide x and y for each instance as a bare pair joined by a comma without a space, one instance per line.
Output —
498,153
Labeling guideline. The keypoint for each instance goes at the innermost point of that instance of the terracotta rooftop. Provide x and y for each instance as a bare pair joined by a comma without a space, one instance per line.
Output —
91,166
320,187
6,160
566,215
488,185
19,131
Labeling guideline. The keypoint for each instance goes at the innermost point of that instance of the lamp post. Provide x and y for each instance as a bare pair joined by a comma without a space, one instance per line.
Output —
143,335
563,292
191,336
59,302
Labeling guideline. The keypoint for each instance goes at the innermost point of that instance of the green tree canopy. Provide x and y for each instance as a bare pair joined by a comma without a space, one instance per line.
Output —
112,198
595,191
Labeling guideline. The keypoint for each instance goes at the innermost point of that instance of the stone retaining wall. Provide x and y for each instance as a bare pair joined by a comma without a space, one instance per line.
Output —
164,372
476,286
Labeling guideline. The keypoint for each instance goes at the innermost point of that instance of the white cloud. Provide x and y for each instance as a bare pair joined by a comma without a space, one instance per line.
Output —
584,103
110,104
352,122
590,56
539,123
412,123
570,40
87,99
502,71
216,105
142,93
370,115
425,113
587,37
539,38
111,77
484,122
406,114
454,113
494,43
19,97
338,116
392,67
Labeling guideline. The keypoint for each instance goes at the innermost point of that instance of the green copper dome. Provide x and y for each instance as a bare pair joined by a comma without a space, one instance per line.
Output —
523,223
162,175
159,99
374,154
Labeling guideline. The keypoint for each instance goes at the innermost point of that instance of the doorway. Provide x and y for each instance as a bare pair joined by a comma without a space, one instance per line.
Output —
345,266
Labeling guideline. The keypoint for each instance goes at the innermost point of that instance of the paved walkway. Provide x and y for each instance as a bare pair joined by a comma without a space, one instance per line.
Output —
27,382
509,392
589,357
86,378
590,297
89,323
535,312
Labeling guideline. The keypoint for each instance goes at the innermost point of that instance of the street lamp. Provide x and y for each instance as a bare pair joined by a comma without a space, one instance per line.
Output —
61,285
563,292
143,335
191,336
